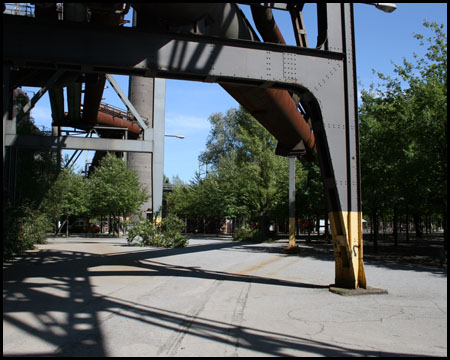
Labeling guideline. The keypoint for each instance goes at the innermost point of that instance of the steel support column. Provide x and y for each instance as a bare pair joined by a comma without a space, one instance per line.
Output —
159,116
5,105
7,152
337,138
291,203
148,96
324,79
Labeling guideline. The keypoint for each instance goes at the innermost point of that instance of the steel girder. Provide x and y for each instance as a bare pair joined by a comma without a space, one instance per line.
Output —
325,80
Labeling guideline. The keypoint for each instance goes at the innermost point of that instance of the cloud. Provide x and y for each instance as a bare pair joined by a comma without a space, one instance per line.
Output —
186,124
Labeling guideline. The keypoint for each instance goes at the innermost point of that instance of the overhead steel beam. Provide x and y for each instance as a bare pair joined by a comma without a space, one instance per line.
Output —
180,56
325,79
279,6
73,142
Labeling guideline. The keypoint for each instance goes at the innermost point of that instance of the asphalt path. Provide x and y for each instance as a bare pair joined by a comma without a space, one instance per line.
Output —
101,297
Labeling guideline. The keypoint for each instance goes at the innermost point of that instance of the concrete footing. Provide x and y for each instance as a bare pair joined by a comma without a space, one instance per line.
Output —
360,291
292,250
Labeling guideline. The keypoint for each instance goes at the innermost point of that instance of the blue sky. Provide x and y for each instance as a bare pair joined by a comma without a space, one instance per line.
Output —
381,40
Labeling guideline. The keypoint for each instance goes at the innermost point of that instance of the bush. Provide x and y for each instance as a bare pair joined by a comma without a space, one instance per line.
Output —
246,233
172,227
144,232
23,228
166,233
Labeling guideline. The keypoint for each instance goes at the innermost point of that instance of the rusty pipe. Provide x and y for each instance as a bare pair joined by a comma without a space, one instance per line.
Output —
268,106
103,118
111,120
221,19
266,25
268,28
273,108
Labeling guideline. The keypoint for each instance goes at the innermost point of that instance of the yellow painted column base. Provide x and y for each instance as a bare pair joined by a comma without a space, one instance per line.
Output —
292,245
346,231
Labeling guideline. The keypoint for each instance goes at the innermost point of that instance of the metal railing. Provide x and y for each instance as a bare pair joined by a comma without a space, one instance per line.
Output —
115,111
168,187
20,9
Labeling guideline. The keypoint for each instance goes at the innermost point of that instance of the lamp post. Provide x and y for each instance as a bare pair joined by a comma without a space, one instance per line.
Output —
176,136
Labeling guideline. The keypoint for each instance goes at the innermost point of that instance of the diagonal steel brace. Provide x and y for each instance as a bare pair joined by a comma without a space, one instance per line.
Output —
127,102
50,83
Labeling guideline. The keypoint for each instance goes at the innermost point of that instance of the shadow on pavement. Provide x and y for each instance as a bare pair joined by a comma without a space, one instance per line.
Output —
53,289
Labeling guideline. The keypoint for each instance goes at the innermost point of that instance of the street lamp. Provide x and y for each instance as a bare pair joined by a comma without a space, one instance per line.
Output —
386,7
176,136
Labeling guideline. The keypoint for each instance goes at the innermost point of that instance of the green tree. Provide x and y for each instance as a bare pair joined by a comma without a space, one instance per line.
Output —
116,190
23,227
310,197
24,223
403,126
248,172
69,196
247,181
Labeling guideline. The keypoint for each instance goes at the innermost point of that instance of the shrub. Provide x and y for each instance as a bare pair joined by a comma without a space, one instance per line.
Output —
246,233
23,227
166,233
172,227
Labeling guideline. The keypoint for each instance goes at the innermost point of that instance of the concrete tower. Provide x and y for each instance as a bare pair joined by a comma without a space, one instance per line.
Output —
141,96
148,97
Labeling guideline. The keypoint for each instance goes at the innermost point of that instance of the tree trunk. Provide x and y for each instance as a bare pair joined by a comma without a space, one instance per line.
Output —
375,230
407,228
67,226
444,225
262,227
417,225
308,239
395,227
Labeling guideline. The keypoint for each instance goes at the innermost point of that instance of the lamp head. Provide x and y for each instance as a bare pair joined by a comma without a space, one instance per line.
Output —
386,7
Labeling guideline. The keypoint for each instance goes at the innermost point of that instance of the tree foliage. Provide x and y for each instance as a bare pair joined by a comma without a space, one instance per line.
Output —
247,181
115,189
69,196
403,145
403,136
245,173
23,226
